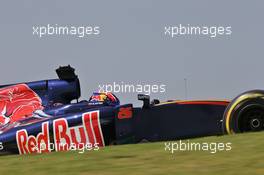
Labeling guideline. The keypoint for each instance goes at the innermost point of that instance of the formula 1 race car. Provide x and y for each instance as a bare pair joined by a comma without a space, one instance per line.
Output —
37,117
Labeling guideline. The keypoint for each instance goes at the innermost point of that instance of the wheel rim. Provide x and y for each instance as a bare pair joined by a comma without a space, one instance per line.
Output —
252,120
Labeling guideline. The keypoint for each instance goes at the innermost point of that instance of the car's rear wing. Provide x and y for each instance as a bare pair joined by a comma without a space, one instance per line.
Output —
62,90
66,73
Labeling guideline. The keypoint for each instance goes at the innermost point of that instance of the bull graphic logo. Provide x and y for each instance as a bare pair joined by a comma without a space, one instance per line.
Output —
18,102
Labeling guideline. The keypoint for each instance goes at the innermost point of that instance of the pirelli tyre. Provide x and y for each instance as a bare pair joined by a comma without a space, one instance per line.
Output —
245,113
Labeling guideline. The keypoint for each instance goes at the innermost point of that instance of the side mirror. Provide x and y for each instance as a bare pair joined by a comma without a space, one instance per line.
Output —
145,99
154,102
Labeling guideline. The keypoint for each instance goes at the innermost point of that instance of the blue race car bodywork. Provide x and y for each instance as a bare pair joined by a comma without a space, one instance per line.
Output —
41,117
38,117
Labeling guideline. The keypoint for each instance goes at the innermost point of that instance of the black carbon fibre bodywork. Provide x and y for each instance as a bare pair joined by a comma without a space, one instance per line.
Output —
177,121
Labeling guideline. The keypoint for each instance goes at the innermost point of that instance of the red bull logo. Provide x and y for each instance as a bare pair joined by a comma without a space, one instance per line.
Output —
17,102
65,137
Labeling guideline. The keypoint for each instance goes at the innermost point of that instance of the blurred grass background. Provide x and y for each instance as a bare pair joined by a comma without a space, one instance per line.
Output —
246,157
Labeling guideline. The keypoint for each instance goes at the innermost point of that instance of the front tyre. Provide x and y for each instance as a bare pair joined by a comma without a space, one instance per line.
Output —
245,113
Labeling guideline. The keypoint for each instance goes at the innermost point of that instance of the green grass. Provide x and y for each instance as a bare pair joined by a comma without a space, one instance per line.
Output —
246,157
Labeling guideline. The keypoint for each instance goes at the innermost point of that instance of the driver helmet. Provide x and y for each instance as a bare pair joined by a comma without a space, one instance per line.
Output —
103,98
